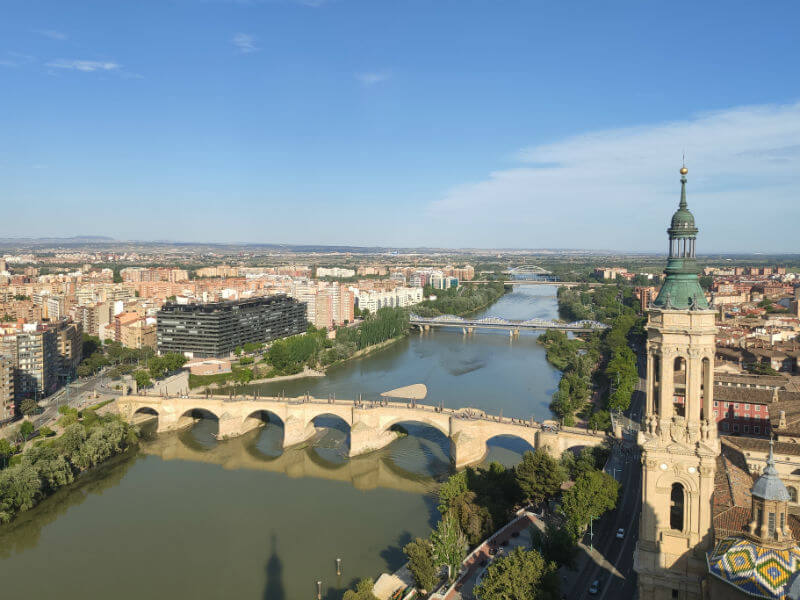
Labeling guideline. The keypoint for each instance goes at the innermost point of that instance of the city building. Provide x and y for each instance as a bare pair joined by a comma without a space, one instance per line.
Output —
216,329
335,272
400,297
7,397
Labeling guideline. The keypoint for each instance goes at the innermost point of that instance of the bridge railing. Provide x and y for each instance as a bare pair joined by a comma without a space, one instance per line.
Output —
467,414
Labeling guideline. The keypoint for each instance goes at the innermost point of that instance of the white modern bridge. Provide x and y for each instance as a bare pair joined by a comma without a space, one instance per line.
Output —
468,325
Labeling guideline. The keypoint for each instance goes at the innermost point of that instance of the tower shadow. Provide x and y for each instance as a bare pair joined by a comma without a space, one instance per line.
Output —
274,590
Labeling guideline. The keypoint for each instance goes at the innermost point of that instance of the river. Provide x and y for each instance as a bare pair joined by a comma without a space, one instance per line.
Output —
189,517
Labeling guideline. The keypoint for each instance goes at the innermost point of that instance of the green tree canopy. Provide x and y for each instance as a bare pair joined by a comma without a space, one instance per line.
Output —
421,563
522,575
363,591
594,493
539,476
449,545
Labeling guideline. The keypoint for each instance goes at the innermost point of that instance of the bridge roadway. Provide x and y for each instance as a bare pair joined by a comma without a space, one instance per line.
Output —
514,327
533,282
370,424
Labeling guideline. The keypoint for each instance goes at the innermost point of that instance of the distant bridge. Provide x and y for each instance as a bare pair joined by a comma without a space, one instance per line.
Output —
370,424
469,325
568,284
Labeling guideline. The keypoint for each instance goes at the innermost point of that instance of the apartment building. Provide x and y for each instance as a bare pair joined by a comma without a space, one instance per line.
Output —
7,398
216,329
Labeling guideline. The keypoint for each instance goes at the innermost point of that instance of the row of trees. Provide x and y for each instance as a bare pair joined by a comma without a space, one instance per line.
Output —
578,359
51,464
459,301
97,355
476,502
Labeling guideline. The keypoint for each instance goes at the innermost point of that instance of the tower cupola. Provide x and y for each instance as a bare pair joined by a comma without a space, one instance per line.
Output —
681,289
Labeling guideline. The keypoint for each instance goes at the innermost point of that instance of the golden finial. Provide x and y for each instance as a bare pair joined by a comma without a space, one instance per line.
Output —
684,170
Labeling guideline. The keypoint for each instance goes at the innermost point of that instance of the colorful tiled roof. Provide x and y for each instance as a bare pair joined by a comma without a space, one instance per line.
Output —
755,570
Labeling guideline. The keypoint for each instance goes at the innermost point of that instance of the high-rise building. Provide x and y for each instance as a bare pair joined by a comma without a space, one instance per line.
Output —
7,410
679,439
217,329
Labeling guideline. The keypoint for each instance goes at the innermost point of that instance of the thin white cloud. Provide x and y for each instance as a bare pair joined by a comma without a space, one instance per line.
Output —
15,59
52,34
86,66
616,188
245,43
371,78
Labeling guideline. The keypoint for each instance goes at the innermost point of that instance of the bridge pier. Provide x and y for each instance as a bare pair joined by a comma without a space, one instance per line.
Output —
466,450
296,431
365,439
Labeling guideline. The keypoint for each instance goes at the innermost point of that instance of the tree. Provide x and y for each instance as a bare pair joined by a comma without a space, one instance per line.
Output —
363,591
142,379
26,429
45,431
449,546
522,575
593,494
555,544
19,490
6,451
539,476
600,420
28,406
420,563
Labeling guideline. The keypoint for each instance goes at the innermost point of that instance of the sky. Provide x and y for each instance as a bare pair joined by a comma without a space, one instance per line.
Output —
445,123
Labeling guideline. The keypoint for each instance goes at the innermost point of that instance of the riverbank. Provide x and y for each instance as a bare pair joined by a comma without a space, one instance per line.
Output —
41,470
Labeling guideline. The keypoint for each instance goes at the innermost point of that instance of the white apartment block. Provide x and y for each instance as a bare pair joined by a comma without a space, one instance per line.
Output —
397,298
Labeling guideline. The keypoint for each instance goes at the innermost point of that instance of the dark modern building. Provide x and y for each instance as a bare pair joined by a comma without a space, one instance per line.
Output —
217,328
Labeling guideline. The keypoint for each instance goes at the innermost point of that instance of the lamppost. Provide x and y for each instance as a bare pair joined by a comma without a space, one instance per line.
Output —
591,533
319,590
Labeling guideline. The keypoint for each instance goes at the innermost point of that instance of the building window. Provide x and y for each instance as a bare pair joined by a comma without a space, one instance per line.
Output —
747,407
747,429
771,526
676,507
726,427
674,594
758,408
756,429
736,405
735,427
715,414
715,403
792,494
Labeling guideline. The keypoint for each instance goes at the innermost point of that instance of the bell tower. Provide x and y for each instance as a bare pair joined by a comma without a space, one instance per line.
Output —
679,435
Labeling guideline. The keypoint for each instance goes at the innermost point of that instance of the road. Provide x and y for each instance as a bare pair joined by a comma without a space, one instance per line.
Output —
81,393
612,561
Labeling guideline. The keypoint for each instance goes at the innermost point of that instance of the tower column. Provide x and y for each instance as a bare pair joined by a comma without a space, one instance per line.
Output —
708,395
694,368
666,386
650,387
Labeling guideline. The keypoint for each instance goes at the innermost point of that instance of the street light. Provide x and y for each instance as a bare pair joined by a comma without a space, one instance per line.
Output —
591,533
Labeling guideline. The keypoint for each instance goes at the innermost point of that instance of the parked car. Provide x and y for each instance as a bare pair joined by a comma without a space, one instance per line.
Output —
620,533
595,587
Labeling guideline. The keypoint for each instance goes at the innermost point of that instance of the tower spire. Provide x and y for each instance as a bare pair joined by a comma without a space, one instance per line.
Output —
684,171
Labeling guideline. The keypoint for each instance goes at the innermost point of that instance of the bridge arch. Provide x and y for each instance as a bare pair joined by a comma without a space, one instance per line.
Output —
261,417
420,419
508,448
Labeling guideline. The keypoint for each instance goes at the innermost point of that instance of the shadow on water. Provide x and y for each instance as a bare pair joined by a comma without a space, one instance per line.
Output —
393,555
274,590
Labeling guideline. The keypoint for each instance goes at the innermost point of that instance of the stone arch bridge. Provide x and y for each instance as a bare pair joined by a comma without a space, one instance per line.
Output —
370,424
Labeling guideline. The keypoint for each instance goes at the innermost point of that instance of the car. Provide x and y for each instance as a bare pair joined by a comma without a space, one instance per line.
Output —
620,533
595,587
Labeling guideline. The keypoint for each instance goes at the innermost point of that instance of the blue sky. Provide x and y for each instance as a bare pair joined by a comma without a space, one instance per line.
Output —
455,123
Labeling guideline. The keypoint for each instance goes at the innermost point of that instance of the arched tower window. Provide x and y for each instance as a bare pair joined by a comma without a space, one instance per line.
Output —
792,494
676,503
679,381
